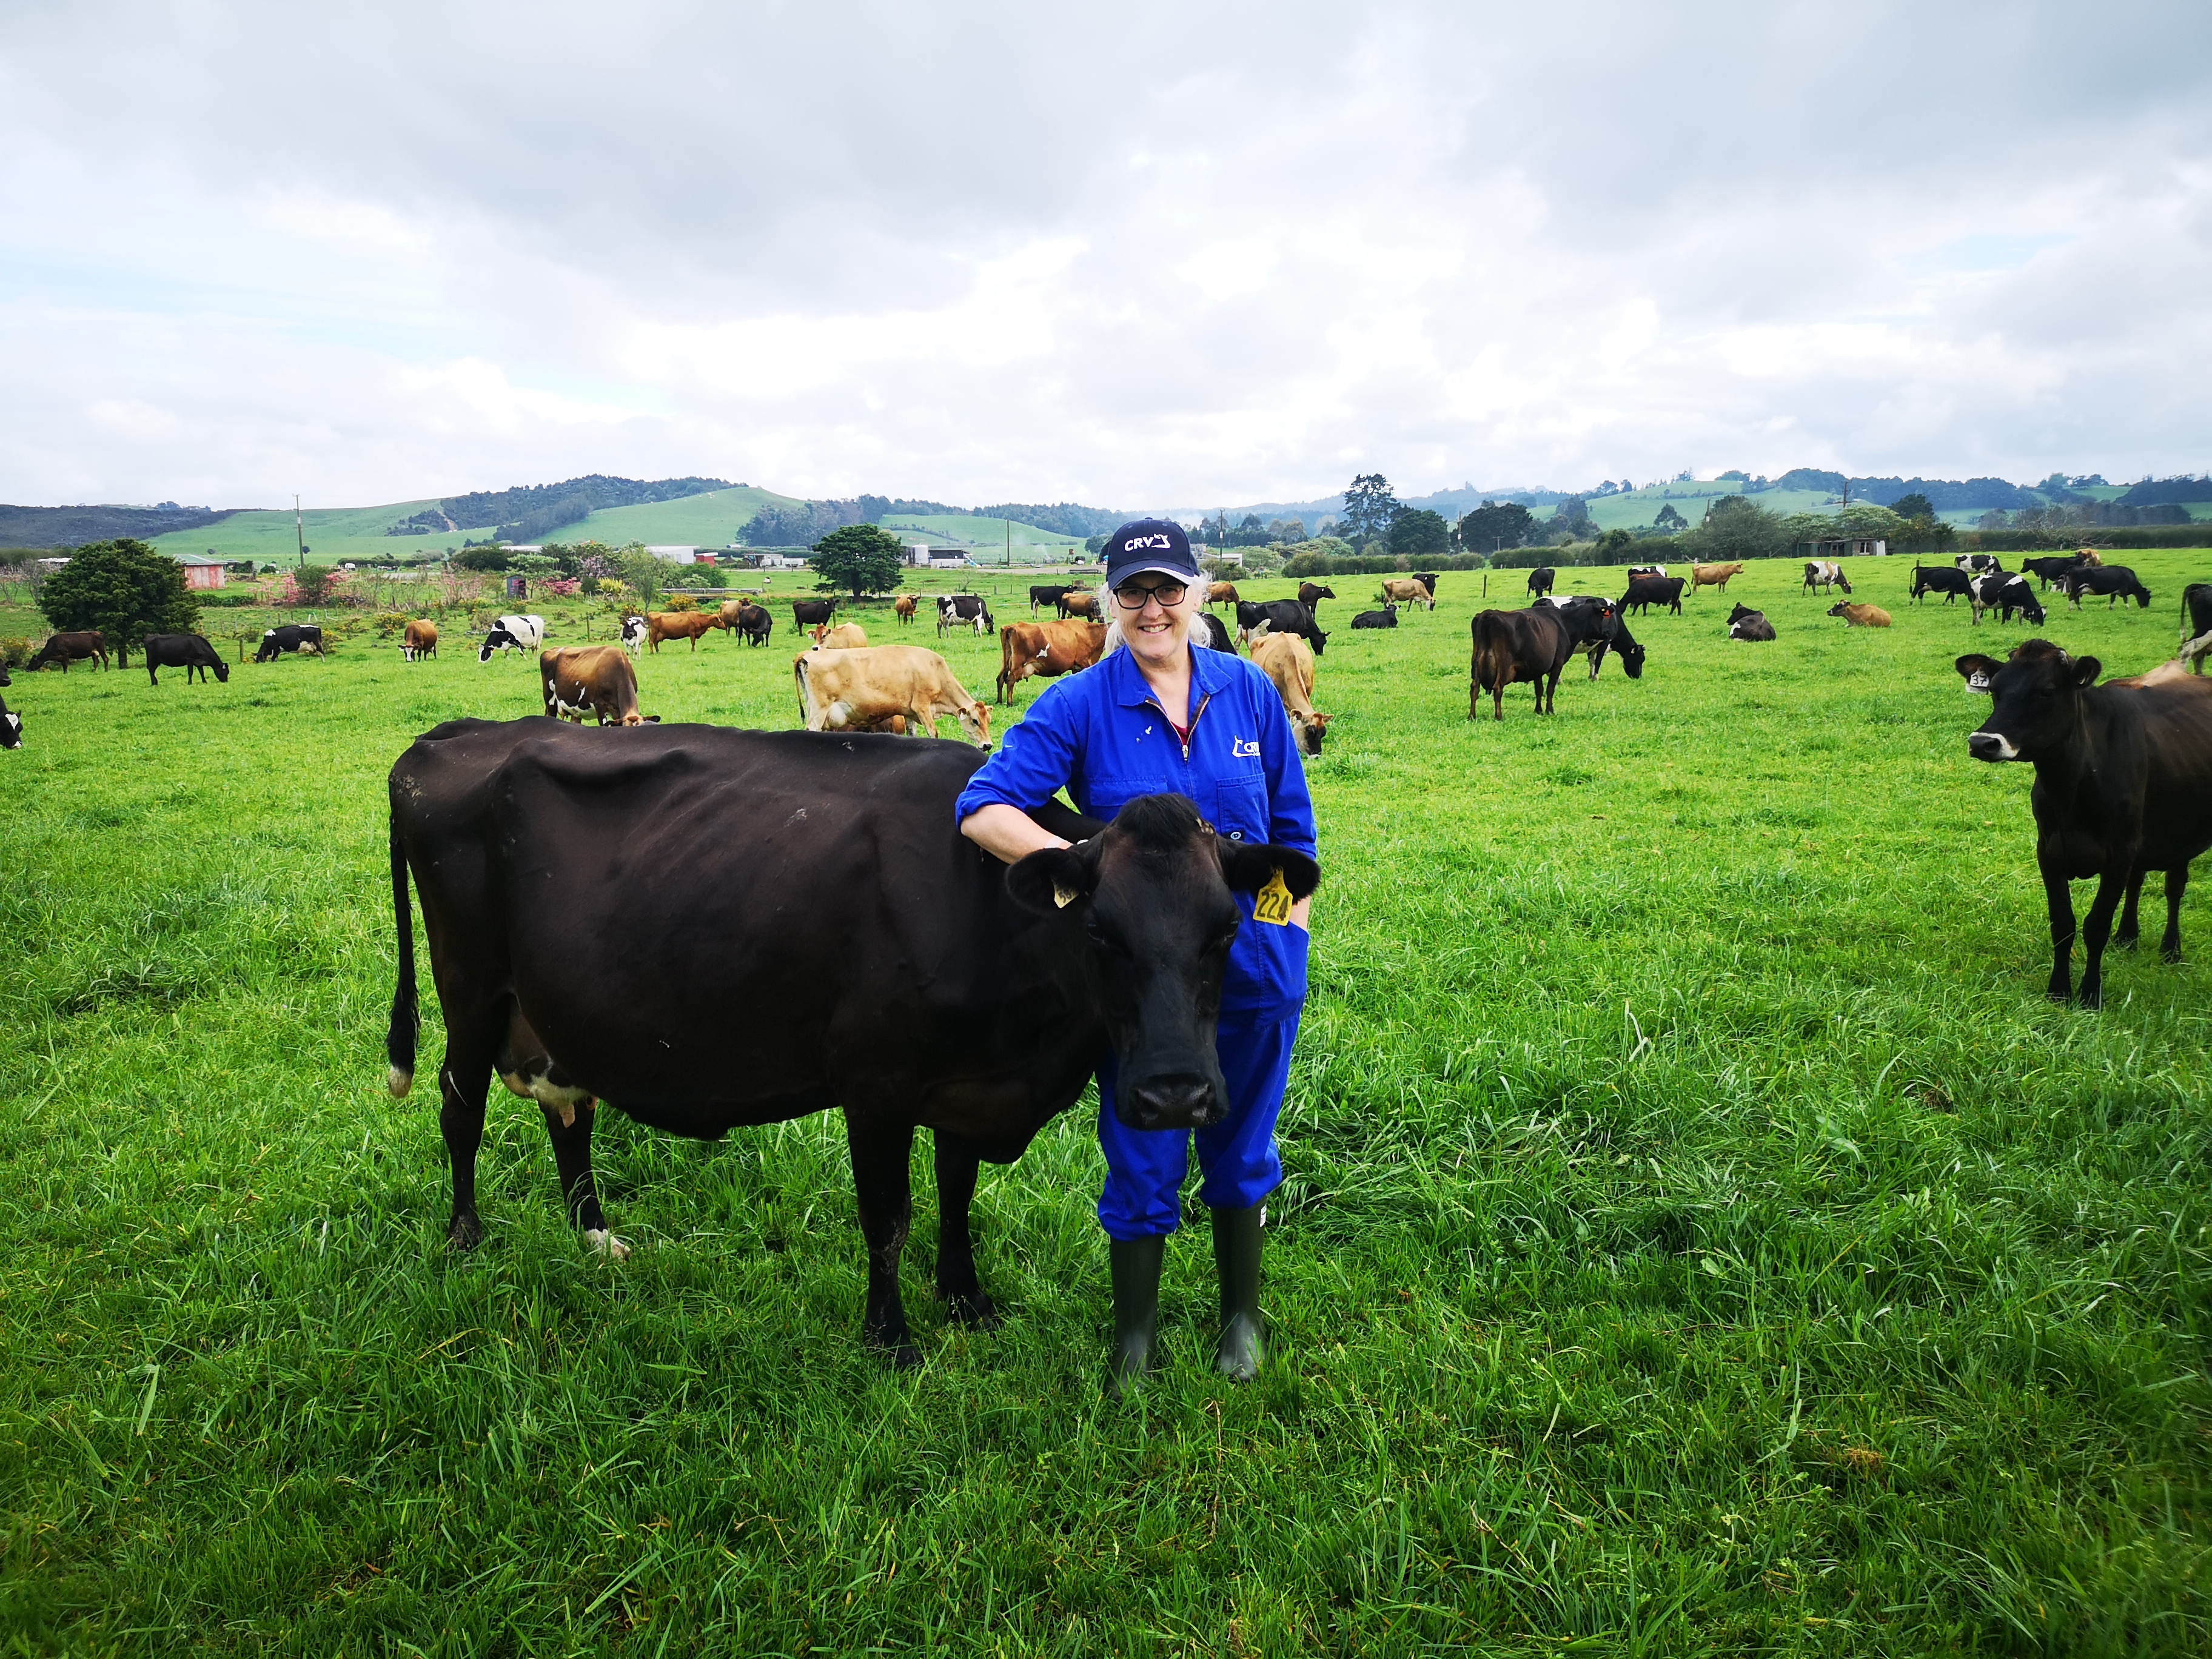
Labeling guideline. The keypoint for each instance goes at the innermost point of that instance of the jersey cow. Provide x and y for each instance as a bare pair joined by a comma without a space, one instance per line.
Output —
2123,787
1046,650
1078,603
86,645
1310,594
905,605
185,651
1860,615
1403,590
679,625
841,690
520,634
1287,662
929,986
302,638
590,679
1716,575
420,641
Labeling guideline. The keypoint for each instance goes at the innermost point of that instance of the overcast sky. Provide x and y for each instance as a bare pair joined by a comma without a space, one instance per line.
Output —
1132,255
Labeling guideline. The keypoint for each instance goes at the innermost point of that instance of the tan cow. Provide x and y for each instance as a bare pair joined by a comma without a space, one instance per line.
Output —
679,625
595,679
1075,603
1046,649
1406,590
420,641
1221,593
1289,663
850,690
846,637
903,606
1861,616
2088,555
1716,575
732,609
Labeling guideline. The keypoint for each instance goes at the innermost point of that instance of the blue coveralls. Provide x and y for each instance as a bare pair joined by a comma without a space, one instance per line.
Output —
1102,734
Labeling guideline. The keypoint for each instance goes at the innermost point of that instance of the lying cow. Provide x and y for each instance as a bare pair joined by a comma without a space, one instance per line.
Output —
590,679
2123,787
927,985
1046,650
1861,616
1289,665
1386,617
420,641
2111,583
1820,575
1513,645
520,634
838,690
679,625
86,645
2003,592
1650,570
185,651
301,638
1745,624
1404,590
846,637
1934,578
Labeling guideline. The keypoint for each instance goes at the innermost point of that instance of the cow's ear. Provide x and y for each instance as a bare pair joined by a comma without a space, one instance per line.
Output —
1053,879
1978,671
1247,868
2086,669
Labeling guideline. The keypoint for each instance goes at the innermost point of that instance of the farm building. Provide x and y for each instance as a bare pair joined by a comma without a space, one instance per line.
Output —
1845,547
202,571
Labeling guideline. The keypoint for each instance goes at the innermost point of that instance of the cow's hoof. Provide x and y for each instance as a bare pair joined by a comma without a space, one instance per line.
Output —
2125,941
600,1241
465,1232
896,1347
973,1309
2092,1000
2172,958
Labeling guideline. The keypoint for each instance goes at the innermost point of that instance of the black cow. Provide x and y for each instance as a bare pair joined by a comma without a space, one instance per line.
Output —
2051,570
184,651
86,645
1978,564
2196,625
4,678
755,622
2004,594
1540,579
1217,632
1310,594
1934,579
1644,591
1511,646
1280,617
812,613
1745,624
2122,786
1049,593
1595,627
1427,577
931,986
1386,617
11,728
292,636
2112,582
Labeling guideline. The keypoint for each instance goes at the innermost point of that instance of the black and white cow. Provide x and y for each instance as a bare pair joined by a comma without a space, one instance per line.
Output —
2110,583
1596,626
2196,625
968,610
1820,575
292,636
523,634
1934,578
2054,570
1745,624
11,726
634,628
2004,594
1978,564
1281,616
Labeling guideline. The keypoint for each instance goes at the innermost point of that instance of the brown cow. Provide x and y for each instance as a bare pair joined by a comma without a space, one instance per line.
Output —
847,690
597,679
66,648
1221,593
846,637
733,613
1861,616
1289,663
1079,604
1512,645
421,641
1046,649
1407,590
904,606
1716,575
679,625
1310,594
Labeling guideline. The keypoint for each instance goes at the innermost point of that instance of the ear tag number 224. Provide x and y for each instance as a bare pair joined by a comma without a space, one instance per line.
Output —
1271,903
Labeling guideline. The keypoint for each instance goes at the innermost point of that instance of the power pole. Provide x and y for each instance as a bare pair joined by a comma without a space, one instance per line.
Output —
298,532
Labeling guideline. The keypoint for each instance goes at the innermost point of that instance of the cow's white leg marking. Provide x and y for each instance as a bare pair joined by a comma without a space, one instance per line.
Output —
600,1241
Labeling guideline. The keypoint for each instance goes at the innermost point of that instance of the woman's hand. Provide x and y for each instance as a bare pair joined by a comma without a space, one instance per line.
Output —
1008,833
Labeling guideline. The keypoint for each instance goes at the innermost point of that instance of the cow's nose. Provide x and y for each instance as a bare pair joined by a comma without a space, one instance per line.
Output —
1986,745
1174,1103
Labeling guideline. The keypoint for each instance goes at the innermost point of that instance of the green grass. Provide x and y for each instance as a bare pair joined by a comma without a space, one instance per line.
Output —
1698,1235
985,536
709,521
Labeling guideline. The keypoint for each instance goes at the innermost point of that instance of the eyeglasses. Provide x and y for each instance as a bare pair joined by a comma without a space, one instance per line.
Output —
1132,597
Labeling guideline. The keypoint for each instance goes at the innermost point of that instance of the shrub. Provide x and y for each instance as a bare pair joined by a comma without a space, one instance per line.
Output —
15,652
122,588
682,602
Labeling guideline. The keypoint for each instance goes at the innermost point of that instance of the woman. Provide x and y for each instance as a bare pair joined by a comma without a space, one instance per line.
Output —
1160,717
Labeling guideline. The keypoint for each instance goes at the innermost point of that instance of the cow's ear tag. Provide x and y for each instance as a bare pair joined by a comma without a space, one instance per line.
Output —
1063,897
1271,903
1977,681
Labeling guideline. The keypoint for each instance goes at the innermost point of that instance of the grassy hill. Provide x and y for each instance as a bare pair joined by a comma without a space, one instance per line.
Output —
984,535
709,521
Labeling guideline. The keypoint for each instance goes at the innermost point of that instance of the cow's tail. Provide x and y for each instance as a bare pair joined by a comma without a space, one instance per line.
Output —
406,1017
799,677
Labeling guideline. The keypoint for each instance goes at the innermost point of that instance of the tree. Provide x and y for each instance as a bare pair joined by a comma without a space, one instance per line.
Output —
1669,520
863,558
1572,515
122,588
1495,524
1417,534
1736,527
1915,506
1369,507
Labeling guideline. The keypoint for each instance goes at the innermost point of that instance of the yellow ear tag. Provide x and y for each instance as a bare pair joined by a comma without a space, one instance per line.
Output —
1063,897
1271,903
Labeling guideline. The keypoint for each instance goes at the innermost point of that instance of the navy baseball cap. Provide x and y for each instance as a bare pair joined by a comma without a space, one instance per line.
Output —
1149,544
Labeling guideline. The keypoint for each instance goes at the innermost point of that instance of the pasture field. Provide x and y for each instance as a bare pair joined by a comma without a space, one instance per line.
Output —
983,535
1699,1234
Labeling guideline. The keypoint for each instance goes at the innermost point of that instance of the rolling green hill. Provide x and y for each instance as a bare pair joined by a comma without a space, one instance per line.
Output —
708,520
984,537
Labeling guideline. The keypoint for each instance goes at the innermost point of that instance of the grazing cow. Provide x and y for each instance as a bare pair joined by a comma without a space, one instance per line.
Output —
1427,578
729,610
846,637
595,680
1934,578
1050,594
755,622
1222,593
1046,650
906,604
1310,594
968,610
522,634
2051,570
679,625
184,651
420,641
1647,591
633,630
1291,666
2112,582
1079,604
2196,622
927,985
1593,627
66,648
2123,787
1386,617
812,613
1636,570
1283,616
1512,645
2003,592
300,637
11,728
1978,564
1821,574
838,690
1745,624
1860,615
1716,575
1540,580
1404,590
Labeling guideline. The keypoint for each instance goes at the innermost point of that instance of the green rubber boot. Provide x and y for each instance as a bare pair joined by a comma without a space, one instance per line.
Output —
1135,1264
1241,1350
